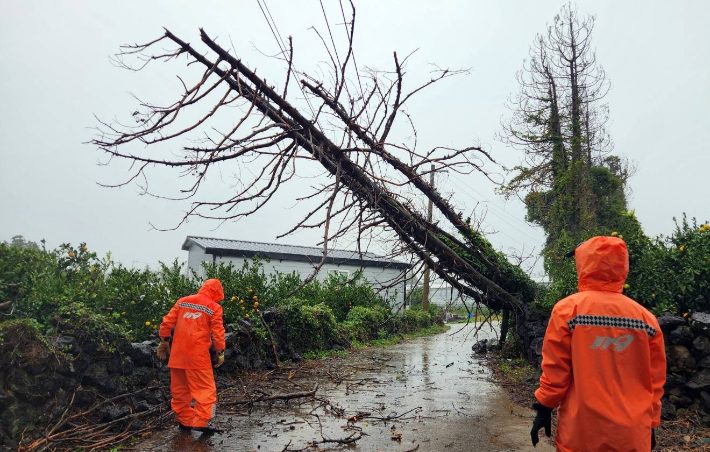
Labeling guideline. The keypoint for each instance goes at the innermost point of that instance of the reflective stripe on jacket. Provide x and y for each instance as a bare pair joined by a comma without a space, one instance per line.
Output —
197,320
603,358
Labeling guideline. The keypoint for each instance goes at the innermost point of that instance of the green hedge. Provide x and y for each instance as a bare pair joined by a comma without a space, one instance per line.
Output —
310,327
43,282
364,324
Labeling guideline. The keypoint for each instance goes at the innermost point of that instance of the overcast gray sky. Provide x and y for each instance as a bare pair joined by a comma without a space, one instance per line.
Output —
55,75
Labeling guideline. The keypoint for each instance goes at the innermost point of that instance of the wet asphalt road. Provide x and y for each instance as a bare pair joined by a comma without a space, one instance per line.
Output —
442,399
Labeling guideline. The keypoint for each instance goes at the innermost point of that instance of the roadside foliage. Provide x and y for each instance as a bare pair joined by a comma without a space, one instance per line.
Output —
43,284
667,273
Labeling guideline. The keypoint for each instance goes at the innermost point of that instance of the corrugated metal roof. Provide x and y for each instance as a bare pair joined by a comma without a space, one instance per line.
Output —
267,249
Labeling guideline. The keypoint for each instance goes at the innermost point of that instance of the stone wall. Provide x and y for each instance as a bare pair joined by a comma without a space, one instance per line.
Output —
98,371
688,360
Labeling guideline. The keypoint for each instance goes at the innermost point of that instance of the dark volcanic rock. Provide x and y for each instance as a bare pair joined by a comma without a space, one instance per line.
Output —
702,344
682,401
668,322
242,361
682,335
143,375
141,405
701,317
97,376
222,382
668,411
230,339
113,363
142,353
480,347
84,398
155,396
41,362
112,412
705,399
700,380
680,359
674,380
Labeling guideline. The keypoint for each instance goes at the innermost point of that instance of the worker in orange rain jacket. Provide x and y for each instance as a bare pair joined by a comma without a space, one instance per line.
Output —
197,320
603,360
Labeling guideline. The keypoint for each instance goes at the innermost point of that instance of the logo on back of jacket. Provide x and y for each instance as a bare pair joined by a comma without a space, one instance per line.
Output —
616,343
192,315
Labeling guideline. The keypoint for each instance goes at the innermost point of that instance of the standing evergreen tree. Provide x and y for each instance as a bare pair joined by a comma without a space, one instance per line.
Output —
570,183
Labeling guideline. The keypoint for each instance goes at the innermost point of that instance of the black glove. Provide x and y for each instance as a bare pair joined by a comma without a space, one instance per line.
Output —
653,438
543,419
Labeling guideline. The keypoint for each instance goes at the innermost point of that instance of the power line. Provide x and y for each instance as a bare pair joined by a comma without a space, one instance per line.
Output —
492,202
351,40
282,46
464,192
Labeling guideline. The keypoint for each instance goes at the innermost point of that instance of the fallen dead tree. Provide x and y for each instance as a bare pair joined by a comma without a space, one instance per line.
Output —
366,175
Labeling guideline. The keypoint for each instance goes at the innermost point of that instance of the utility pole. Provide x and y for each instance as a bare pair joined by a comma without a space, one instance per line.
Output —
425,290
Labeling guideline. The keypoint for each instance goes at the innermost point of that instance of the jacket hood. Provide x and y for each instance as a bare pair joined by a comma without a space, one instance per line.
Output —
602,264
213,289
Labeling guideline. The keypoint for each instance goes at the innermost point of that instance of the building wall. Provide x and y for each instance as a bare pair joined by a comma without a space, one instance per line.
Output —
195,256
376,276
441,295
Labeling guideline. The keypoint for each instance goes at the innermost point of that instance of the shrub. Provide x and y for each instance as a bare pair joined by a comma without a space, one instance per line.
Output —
414,319
310,327
437,314
96,330
364,324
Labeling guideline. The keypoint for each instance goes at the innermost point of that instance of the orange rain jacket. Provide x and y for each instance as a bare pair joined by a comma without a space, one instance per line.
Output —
603,359
197,320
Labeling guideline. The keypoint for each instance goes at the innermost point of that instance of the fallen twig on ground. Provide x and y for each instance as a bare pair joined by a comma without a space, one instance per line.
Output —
267,398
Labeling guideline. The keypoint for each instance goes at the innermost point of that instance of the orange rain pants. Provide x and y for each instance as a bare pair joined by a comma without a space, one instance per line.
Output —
197,320
187,385
603,358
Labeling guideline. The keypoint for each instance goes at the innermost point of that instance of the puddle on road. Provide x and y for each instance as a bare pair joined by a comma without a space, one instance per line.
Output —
441,396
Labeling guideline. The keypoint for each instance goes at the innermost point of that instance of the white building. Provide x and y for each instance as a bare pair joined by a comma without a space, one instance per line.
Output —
380,272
